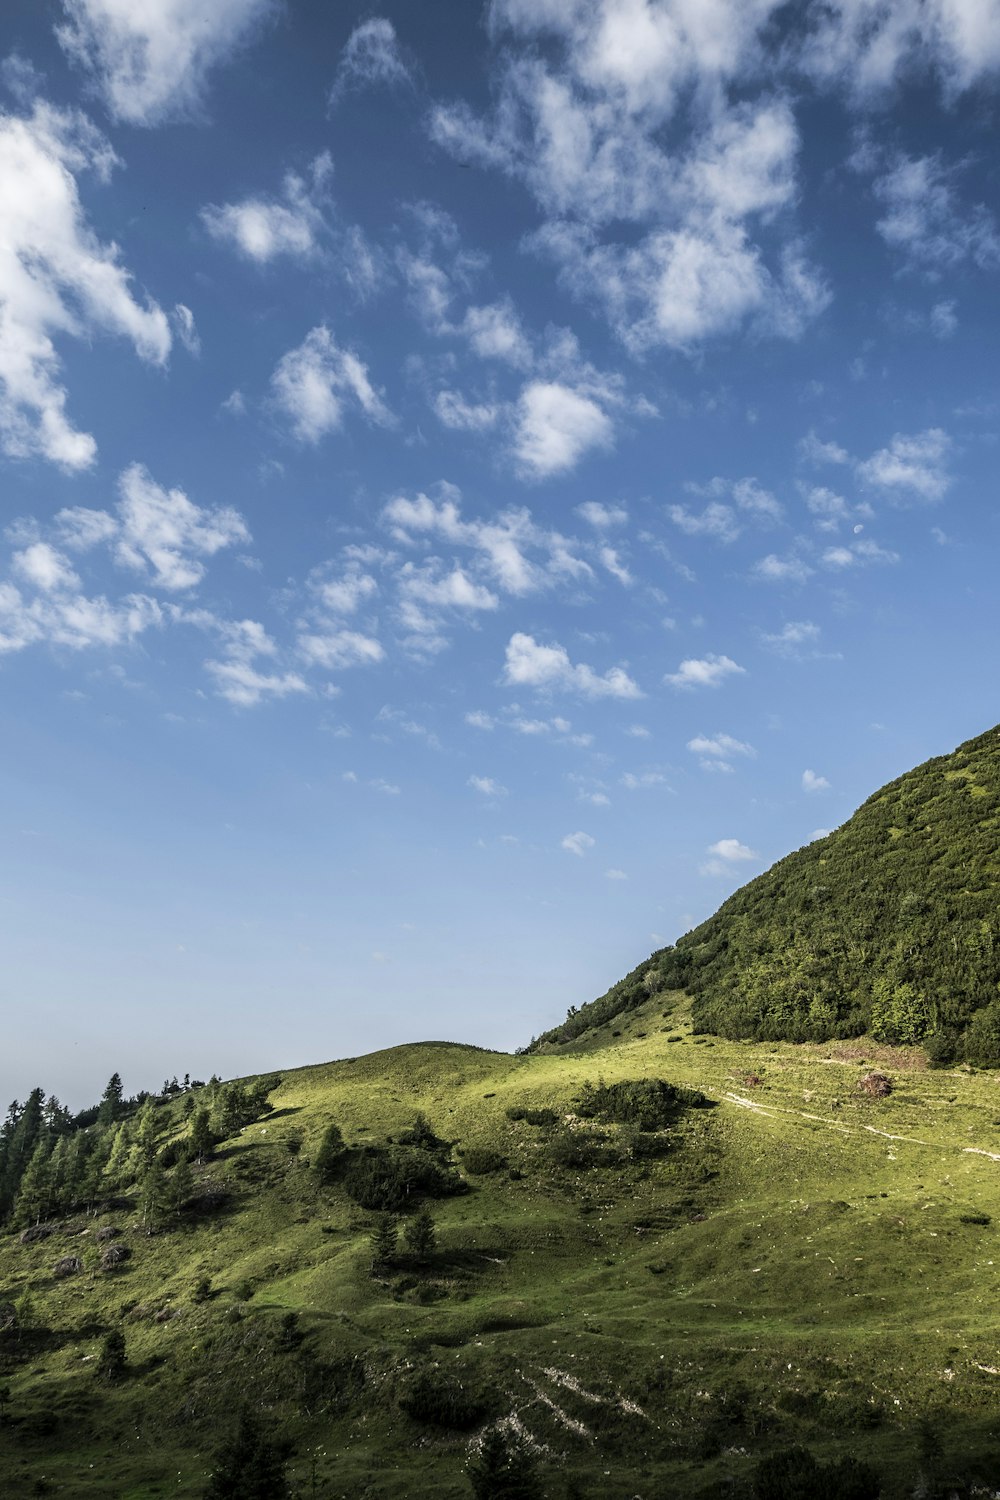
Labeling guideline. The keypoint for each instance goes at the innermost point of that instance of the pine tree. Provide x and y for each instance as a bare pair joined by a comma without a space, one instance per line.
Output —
384,1240
34,1194
420,1235
202,1138
503,1469
251,1466
116,1169
112,1105
23,1138
180,1186
147,1132
153,1193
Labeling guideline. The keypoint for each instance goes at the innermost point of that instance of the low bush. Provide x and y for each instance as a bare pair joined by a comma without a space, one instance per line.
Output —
392,1178
482,1160
532,1116
442,1400
646,1103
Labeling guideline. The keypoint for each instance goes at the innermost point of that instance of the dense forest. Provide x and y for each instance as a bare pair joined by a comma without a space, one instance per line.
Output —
886,926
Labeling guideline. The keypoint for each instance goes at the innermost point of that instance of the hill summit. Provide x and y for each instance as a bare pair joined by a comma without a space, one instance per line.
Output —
888,926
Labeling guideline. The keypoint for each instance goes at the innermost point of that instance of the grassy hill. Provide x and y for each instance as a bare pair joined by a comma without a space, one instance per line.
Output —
653,1311
888,925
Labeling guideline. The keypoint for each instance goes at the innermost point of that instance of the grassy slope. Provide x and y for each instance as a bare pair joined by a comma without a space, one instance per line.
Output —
888,923
789,1273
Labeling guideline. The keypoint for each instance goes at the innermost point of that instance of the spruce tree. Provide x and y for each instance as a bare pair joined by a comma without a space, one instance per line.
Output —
34,1194
384,1240
330,1154
420,1235
251,1466
112,1365
112,1105
503,1469
153,1193
202,1137
180,1186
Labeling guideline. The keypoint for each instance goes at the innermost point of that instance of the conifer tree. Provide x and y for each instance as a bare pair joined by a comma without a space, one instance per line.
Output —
112,1105
251,1466
112,1365
180,1186
147,1132
384,1240
153,1193
420,1235
116,1170
34,1194
503,1469
330,1154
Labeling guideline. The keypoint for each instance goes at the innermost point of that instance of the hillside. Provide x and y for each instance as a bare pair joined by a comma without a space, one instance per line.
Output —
657,1307
887,926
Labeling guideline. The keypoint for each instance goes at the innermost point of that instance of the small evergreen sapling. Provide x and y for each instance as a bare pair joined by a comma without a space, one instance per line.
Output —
420,1235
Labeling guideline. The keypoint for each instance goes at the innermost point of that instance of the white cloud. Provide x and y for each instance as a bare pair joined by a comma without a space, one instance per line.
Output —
610,559
615,875
792,638
865,46
262,229
914,466
718,750
925,221
57,278
454,590
150,61
555,427
530,664
731,850
708,671
344,594
480,720
338,649
65,618
311,382
186,329
636,782
716,520
242,684
578,843
602,517
163,533
942,319
454,411
814,450
858,554
495,332
774,569
45,568
811,782
819,833
487,786
371,58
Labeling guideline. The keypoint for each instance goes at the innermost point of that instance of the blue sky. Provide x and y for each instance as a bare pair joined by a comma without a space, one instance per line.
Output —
479,484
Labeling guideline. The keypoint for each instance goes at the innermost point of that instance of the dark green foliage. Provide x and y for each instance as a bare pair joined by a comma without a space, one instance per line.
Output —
421,1134
112,1105
391,1178
533,1116
202,1289
942,1047
646,1103
420,1235
239,1104
385,1240
442,1400
794,1474
481,1161
889,925
112,1366
578,1150
251,1466
330,1156
503,1469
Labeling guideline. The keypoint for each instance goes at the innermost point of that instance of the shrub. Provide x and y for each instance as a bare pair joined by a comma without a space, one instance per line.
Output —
331,1154
392,1178
69,1265
421,1134
533,1116
795,1472
941,1047
876,1085
482,1160
114,1256
503,1469
113,1362
646,1103
578,1149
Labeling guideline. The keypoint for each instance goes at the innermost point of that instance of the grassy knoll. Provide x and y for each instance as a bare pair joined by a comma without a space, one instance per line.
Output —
798,1264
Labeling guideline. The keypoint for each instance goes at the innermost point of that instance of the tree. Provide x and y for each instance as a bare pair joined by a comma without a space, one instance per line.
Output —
384,1239
202,1139
503,1469
251,1465
112,1105
330,1153
153,1193
420,1235
180,1186
112,1364
34,1195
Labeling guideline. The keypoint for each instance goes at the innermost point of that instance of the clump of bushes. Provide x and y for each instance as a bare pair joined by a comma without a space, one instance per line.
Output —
876,1085
580,1150
483,1160
794,1471
532,1116
391,1178
645,1103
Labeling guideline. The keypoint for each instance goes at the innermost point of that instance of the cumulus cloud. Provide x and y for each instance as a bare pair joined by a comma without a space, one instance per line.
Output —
602,517
371,58
577,843
487,786
775,569
495,332
338,649
811,782
911,467
555,427
530,664
45,568
707,671
716,752
312,382
261,229
858,554
925,220
57,278
725,854
454,411
865,46
150,62
165,535
68,619
817,451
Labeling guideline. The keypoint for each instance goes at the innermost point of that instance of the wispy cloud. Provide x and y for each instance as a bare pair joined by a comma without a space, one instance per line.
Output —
706,671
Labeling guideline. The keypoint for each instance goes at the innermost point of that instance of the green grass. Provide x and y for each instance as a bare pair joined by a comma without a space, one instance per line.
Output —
804,1265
